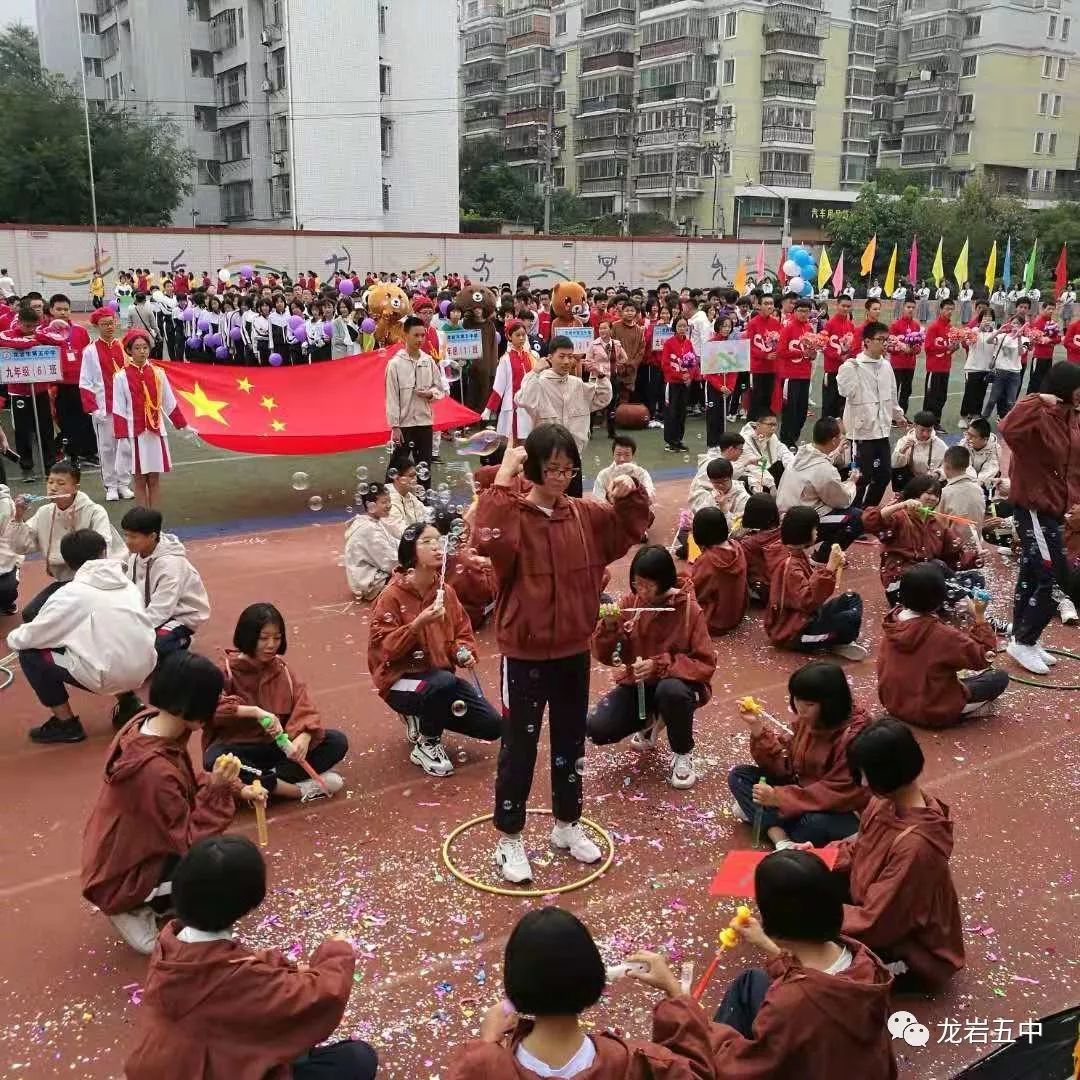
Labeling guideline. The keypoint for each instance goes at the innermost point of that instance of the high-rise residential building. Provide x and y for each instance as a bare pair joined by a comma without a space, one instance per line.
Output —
340,115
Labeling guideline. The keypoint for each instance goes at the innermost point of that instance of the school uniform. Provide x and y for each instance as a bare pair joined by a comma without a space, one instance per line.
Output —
31,408
903,362
703,494
630,468
963,496
903,901
794,367
10,557
1010,355
939,354
764,335
868,387
76,431
753,543
405,510
675,366
550,566
720,586
912,457
813,480
511,419
985,460
212,1007
258,332
276,689
173,592
841,332
1072,342
48,525
101,363
279,334
411,414
371,548
1042,352
978,373
474,583
142,398
763,461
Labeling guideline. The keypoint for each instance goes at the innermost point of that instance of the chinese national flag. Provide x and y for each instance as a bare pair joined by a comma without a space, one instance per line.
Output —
321,408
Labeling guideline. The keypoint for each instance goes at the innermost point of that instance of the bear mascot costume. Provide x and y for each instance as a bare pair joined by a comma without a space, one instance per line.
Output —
477,305
569,306
388,306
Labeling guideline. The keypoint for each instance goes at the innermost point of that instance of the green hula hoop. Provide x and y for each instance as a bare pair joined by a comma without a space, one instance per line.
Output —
1046,685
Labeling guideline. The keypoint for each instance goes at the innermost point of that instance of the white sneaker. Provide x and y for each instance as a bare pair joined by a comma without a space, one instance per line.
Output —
309,789
850,651
570,836
126,493
512,860
682,771
138,928
1067,612
1049,659
1027,656
112,495
738,815
974,709
431,757
783,845
644,740
656,424
412,726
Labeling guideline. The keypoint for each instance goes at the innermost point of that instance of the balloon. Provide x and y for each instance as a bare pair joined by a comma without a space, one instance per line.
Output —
328,330
204,326
214,341
796,250
791,268
114,306
236,333
223,276
346,288
807,289
368,325
222,352
444,307
187,315
296,324
275,359
795,284
194,343
247,271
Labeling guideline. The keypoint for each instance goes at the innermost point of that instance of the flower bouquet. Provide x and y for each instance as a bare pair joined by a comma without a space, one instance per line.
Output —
962,337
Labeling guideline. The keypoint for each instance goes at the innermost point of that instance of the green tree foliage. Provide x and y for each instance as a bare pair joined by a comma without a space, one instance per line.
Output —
141,170
1058,225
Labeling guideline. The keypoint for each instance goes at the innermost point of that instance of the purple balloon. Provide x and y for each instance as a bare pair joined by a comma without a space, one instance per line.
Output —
328,329
236,333
194,343
346,287
296,324
204,326
444,307
247,271
215,341
368,325
275,359
187,315
222,352
114,306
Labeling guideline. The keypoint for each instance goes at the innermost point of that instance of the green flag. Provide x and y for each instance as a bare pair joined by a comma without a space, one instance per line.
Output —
1029,266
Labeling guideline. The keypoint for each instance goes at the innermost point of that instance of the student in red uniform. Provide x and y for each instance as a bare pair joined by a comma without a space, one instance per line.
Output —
1072,341
818,1010
794,366
76,433
668,653
212,1007
841,332
801,783
719,571
939,356
1042,352
678,375
903,359
802,613
102,361
550,554
152,807
763,330
760,527
921,656
903,901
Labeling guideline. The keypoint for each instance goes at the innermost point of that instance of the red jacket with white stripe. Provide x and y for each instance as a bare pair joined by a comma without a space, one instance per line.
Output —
758,330
836,351
938,350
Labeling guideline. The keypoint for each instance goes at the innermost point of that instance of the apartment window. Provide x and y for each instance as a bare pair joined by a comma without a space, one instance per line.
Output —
386,136
92,67
1048,180
712,28
235,142
972,26
1047,67
961,142
231,86
560,100
382,18
1051,143
205,118
202,64
114,87
385,197
784,161
278,76
110,42
281,195
969,65
1055,105
224,31
712,69
1044,100
558,176
560,23
384,79
1033,179
729,72
208,171
273,12
560,63
731,24
1040,142
1051,26
1062,67
88,22
965,105
236,200
1066,26
279,134
722,163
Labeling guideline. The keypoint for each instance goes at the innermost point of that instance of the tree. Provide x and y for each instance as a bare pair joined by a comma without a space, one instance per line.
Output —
141,169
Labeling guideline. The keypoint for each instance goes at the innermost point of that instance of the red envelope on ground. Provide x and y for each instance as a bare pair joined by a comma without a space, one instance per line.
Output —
736,874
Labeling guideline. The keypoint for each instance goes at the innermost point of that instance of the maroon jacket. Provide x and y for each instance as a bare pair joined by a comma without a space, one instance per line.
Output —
797,588
754,544
474,582
719,577
909,538
1044,467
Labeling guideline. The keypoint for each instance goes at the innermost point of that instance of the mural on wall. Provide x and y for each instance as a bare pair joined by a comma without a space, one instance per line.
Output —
670,273
542,270
77,276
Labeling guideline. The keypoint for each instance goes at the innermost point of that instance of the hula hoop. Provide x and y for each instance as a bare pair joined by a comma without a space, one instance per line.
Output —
1050,686
499,890
6,672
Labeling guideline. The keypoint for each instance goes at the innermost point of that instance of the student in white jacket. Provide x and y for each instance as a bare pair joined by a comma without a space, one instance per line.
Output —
763,445
982,446
371,546
868,386
919,452
10,559
406,507
170,586
93,633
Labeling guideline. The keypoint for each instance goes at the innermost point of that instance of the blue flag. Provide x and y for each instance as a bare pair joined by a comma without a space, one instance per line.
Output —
1006,268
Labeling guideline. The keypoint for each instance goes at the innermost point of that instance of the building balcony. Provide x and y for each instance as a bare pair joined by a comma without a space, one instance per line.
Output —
484,125
606,61
491,50
663,50
933,120
602,185
659,185
792,19
604,144
943,44
485,88
520,155
785,179
669,137
784,88
798,136
485,9
529,40
691,91
606,103
597,13
526,116
776,67
792,44
535,77
922,157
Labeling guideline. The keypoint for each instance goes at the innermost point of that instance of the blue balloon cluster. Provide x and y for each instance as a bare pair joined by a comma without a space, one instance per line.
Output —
804,260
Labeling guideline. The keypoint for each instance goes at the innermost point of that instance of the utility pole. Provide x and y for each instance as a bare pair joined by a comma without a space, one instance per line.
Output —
89,144
547,167
631,147
675,172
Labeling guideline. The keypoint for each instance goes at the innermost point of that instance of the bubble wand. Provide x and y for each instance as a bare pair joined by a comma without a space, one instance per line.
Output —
463,657
728,939
752,705
759,817
440,593
641,712
284,744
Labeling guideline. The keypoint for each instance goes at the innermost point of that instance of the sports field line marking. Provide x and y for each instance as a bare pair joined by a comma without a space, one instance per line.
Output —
228,457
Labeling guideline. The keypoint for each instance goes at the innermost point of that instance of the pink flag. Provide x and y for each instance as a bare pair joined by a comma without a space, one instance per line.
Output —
913,261
759,265
838,275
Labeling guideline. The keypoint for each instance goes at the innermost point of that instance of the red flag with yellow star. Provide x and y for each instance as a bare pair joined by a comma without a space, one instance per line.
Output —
321,408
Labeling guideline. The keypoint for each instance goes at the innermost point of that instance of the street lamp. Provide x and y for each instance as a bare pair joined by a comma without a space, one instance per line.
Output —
785,234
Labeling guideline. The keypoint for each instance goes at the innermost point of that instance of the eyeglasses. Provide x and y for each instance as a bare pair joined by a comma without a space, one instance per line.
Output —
560,471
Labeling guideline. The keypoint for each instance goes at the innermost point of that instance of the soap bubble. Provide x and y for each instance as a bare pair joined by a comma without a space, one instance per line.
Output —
391,474
315,503
422,471
579,766
459,569
484,534
495,534
462,757
361,473
301,481
531,729
459,708
507,804
418,655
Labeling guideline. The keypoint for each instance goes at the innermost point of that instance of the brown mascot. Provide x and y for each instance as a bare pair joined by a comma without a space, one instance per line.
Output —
388,306
569,305
477,305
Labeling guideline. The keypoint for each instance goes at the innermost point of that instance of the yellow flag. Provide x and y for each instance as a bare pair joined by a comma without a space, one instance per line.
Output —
890,274
868,254
991,267
739,284
938,269
960,270
824,269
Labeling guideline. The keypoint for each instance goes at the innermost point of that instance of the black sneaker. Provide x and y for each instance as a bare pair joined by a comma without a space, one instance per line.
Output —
126,707
55,730
30,478
13,610
91,462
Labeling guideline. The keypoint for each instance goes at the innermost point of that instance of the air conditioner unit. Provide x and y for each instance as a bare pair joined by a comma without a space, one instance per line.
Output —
712,93
965,116
712,48
727,112
267,86
265,38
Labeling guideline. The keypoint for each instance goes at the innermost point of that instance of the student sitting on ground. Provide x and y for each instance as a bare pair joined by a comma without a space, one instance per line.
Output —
420,635
921,656
406,506
719,572
729,446
802,613
903,901
818,1010
764,457
982,445
669,653
801,784
760,527
171,588
962,496
553,972
919,452
93,633
213,1007
152,807
259,681
471,574
714,486
370,545
623,451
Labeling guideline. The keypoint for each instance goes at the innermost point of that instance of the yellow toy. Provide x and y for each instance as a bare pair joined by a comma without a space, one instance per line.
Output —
729,938
750,705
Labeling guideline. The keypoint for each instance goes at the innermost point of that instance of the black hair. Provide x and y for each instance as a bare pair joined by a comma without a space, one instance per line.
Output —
957,457
887,754
729,439
925,418
560,341
624,441
80,546
825,683
66,468
552,966
922,588
920,485
218,881
372,492
27,313
719,468
444,519
543,443
60,298
874,329
187,685
825,430
400,462
760,512
1062,380
710,527
406,552
798,526
411,321
981,426
799,897
803,305
142,519
654,562
947,302
248,627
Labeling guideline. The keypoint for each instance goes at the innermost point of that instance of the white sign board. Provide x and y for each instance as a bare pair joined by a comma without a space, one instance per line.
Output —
39,364
581,336
661,333
723,357
463,345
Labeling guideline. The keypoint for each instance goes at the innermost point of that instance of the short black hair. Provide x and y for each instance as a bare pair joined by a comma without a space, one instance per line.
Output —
825,683
373,492
764,414
760,512
946,302
922,588
799,897
980,426
66,468
654,562
624,441
543,443
187,685
925,418
719,468
142,519
957,457
560,341
798,526
552,966
411,321
401,461
710,527
248,627
406,552
729,439
218,881
873,328
803,304
1062,380
27,313
887,754
825,430
920,485
60,298
81,546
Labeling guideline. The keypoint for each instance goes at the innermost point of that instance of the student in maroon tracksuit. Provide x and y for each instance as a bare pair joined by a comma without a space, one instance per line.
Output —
760,527
719,571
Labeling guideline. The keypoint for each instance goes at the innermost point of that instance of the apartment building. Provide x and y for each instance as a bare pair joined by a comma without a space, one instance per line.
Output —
298,116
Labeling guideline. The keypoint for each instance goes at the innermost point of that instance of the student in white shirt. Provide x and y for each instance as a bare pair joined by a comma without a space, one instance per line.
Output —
371,546
919,452
1008,368
1067,300
623,449
965,296
978,370
874,292
764,457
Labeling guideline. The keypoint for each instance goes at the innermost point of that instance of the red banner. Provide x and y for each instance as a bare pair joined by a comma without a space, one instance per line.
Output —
321,408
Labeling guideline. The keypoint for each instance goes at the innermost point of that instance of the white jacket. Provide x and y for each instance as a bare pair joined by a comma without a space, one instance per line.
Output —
99,621
405,510
48,525
10,559
370,555
703,494
985,462
813,480
772,450
980,356
563,399
869,389
404,376
632,469
920,457
170,586
964,497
